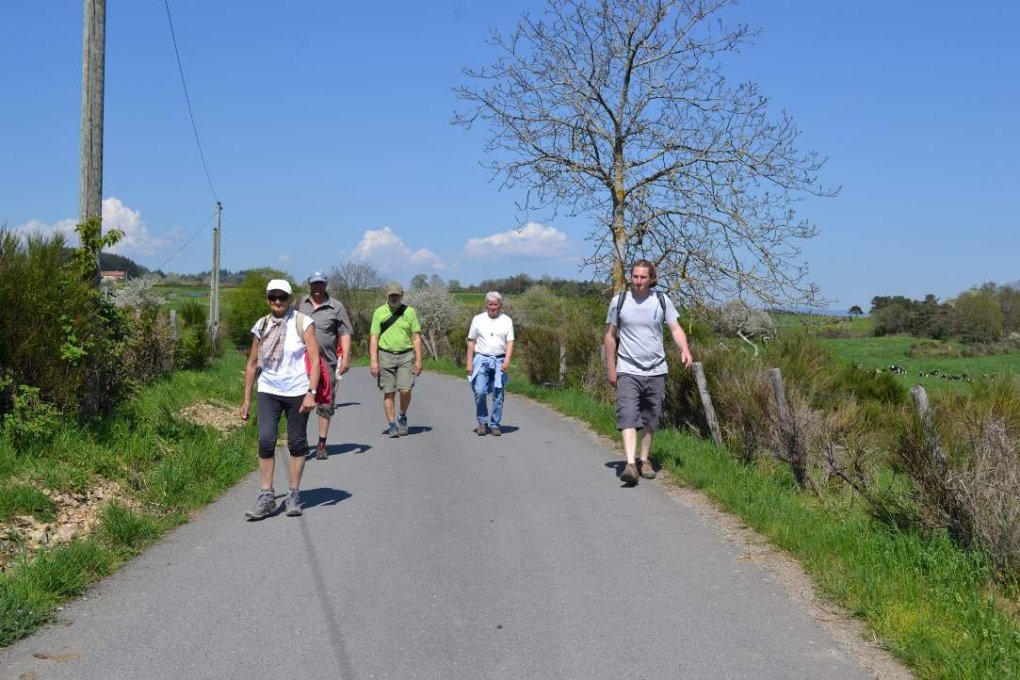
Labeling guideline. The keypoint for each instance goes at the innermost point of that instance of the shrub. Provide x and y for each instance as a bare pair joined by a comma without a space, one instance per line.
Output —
149,347
31,422
248,305
57,332
194,348
977,497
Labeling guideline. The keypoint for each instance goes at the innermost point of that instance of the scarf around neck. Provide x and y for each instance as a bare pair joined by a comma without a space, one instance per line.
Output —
271,343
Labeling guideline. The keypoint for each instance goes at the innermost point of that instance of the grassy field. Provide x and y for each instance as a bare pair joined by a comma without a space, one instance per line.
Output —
855,325
177,295
881,353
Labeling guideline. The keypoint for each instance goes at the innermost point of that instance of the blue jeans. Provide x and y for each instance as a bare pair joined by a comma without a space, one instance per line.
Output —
484,383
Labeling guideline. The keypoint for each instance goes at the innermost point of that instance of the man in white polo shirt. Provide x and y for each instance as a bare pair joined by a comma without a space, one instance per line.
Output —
490,343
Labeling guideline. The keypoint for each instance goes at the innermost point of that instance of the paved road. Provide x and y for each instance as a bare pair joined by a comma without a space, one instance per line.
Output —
441,555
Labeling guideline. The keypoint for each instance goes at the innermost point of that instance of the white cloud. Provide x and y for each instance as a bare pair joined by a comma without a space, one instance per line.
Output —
387,252
38,227
136,241
532,239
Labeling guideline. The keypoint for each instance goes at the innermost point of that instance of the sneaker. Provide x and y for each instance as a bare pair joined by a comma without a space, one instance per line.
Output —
265,505
482,430
392,432
402,425
293,503
629,475
647,471
495,431
320,451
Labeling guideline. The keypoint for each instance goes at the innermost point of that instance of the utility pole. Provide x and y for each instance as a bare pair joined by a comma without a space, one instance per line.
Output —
90,197
214,278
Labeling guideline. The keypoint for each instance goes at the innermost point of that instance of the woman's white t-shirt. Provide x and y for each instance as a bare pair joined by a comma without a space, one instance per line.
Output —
289,379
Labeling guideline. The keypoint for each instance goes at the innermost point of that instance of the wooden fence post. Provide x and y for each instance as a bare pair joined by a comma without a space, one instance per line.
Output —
794,445
706,402
920,399
173,324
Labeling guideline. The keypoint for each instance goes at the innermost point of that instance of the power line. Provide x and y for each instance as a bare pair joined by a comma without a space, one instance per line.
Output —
187,99
193,237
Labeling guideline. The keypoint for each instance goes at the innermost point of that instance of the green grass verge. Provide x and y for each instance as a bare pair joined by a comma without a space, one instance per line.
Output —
927,599
168,466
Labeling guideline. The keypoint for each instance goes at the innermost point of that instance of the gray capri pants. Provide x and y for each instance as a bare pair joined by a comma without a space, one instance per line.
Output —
639,400
270,408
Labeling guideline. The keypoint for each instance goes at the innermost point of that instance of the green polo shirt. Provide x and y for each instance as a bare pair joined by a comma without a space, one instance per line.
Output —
397,337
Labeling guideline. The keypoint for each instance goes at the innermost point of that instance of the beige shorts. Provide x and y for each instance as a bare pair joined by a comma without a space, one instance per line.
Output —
396,371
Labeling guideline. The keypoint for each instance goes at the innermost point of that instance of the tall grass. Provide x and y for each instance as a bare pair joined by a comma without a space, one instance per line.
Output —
164,465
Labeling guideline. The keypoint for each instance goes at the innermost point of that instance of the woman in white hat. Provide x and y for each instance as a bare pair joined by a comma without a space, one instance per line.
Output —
277,356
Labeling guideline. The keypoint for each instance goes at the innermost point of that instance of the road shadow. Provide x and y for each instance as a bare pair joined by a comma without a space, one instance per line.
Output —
411,429
349,447
617,467
339,449
311,498
504,429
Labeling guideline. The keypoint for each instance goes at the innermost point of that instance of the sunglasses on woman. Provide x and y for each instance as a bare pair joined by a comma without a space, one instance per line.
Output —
277,297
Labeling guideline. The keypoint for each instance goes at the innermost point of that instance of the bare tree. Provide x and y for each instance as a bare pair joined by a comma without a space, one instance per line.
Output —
619,110
355,284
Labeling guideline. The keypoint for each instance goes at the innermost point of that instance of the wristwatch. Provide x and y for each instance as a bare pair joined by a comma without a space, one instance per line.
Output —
311,391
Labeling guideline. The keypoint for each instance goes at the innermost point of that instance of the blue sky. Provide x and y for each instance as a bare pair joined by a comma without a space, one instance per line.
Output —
326,131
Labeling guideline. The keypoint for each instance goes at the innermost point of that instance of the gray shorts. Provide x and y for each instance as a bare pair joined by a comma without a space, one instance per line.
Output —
639,400
396,371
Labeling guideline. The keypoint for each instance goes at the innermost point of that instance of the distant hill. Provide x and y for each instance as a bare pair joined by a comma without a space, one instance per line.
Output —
113,262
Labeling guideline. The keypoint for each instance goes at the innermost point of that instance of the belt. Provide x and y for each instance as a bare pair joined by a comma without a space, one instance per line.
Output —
492,356
390,351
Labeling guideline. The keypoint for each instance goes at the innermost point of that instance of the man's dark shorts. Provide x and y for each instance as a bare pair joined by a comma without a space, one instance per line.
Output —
639,400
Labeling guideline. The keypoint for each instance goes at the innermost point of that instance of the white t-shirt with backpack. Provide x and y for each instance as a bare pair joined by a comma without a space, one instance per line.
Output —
639,346
290,378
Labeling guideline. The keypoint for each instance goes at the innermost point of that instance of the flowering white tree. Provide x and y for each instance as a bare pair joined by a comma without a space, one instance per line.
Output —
437,310
736,318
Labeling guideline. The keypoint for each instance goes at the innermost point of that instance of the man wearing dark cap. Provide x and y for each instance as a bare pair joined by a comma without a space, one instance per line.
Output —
395,333
333,331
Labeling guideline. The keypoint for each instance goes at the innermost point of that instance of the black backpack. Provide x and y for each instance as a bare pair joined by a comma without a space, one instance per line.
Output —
623,296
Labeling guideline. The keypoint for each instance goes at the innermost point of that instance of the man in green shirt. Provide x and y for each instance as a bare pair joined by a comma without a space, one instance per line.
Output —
395,333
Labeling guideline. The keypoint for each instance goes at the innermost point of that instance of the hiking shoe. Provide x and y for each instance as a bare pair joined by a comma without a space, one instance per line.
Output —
392,432
495,431
482,430
401,425
320,451
293,503
265,505
647,471
629,474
